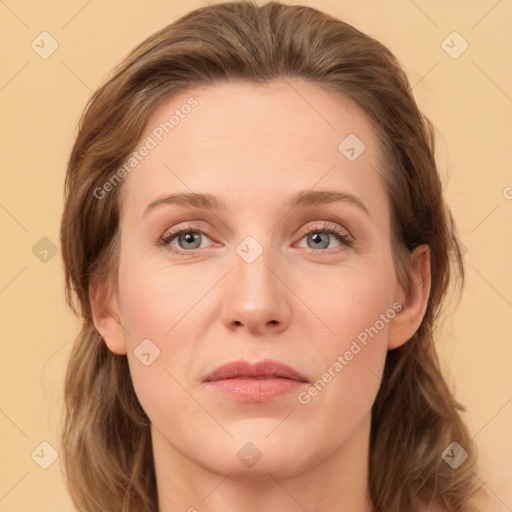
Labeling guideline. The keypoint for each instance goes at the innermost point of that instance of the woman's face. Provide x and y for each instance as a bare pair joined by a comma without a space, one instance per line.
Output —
260,277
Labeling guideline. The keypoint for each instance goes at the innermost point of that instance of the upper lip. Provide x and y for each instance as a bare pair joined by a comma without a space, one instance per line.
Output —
246,369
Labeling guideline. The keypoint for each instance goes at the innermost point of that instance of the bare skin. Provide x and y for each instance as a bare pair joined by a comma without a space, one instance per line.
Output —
303,301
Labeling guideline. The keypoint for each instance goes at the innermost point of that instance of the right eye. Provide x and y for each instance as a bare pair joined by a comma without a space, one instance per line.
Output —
187,238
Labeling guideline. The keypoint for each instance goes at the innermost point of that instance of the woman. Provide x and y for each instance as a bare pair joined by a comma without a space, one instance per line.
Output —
285,359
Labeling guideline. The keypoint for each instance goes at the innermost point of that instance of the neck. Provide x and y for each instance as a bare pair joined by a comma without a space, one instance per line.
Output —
337,479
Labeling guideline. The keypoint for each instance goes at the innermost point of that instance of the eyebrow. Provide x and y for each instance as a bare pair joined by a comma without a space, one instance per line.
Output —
302,199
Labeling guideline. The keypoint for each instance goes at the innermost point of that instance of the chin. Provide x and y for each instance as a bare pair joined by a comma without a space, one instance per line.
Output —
278,465
256,454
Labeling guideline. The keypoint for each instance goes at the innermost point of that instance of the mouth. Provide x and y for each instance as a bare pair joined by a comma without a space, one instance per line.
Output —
255,382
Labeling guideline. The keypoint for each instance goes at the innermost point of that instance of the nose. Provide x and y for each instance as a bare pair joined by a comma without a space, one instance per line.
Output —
256,297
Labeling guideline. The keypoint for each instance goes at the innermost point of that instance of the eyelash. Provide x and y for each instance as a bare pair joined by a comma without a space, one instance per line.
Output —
344,238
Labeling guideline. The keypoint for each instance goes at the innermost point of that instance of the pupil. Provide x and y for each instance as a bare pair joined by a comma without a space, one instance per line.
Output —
189,238
317,239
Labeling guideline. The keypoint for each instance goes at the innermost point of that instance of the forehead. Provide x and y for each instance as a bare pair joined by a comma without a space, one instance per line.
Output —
251,139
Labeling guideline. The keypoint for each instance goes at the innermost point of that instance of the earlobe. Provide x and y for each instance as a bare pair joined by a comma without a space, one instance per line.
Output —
105,315
414,301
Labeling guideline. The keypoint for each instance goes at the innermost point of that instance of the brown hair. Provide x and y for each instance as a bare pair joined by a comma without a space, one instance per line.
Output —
106,441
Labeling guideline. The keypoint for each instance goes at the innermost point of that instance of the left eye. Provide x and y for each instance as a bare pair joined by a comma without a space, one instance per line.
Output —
320,237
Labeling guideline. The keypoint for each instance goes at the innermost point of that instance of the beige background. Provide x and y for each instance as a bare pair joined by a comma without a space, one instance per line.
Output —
468,98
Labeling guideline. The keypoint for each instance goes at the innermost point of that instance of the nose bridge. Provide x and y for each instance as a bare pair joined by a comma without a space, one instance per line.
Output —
253,263
256,297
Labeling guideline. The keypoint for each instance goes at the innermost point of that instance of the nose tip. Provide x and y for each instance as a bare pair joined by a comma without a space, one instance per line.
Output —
256,299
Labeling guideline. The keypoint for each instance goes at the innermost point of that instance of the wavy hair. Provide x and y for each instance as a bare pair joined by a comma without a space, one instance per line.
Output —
106,447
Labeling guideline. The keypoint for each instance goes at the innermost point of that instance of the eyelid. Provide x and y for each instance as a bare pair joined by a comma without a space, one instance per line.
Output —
321,226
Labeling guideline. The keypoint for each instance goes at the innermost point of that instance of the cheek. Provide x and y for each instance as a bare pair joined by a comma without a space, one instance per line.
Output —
357,309
350,300
155,299
163,305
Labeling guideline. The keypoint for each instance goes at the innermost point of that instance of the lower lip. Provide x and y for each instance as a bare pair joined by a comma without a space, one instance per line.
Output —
256,390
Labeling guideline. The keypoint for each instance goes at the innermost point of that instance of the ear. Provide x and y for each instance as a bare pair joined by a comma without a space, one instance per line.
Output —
105,315
414,301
